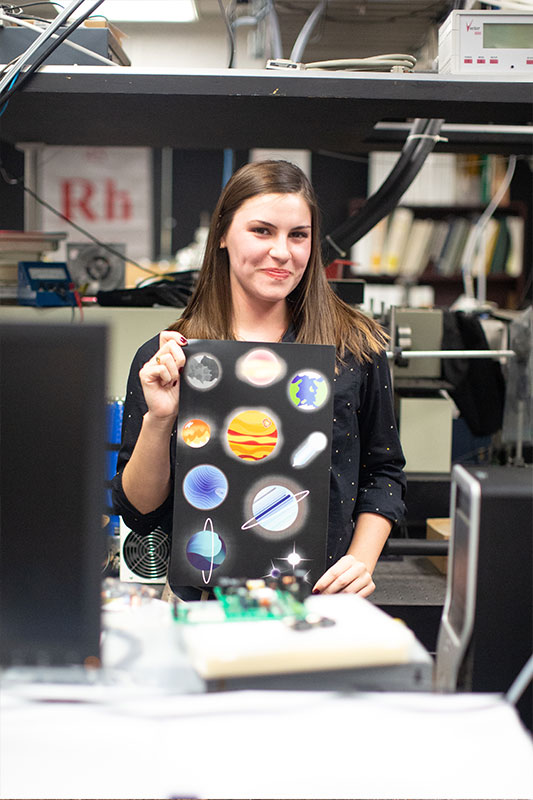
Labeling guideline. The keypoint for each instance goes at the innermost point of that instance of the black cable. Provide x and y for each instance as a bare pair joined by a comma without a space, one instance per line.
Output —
47,51
395,184
419,144
9,12
12,181
14,6
418,128
86,233
229,30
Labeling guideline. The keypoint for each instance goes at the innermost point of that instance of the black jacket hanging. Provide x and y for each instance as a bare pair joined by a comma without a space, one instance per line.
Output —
479,385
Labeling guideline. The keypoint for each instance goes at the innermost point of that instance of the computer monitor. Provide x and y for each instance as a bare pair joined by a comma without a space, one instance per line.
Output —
52,457
486,630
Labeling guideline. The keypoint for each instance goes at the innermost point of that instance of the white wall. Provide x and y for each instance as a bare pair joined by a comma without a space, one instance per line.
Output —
202,44
128,329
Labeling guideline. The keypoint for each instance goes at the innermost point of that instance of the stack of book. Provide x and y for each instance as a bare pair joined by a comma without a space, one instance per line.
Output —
18,246
409,245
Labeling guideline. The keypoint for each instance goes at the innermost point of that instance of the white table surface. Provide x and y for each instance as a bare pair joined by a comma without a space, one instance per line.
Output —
136,735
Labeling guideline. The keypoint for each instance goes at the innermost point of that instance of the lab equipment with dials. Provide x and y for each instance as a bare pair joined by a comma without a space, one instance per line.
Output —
424,413
486,43
45,284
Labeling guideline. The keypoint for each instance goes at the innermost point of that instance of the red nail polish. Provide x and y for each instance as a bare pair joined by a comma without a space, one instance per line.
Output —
183,339
180,370
316,591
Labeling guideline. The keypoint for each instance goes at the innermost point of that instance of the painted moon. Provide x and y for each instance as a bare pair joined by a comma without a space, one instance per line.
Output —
203,371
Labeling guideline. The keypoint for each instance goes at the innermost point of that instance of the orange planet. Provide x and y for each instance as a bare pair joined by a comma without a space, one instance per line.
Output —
196,433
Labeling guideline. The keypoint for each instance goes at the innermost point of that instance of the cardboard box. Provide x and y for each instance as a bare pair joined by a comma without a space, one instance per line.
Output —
438,530
100,40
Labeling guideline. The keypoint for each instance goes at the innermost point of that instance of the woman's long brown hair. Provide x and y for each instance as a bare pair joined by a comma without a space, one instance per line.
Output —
319,316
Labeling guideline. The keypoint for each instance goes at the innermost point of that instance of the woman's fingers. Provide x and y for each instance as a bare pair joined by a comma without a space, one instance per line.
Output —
168,361
346,575
166,367
172,336
160,375
170,355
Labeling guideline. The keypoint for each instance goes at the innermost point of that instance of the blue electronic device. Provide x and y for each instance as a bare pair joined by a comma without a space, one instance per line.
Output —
45,284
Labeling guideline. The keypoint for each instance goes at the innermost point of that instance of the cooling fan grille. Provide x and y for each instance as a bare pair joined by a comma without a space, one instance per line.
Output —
95,267
147,556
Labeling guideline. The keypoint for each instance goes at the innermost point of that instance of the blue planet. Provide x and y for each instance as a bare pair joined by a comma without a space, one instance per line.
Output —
206,550
308,390
205,486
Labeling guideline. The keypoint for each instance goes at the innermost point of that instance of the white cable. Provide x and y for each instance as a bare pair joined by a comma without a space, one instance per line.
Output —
520,683
372,63
306,31
473,241
38,28
274,31
434,137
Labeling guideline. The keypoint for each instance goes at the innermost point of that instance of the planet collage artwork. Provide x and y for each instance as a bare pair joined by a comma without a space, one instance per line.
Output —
251,435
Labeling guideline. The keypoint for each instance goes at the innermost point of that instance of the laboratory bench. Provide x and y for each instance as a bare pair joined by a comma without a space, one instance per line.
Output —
145,728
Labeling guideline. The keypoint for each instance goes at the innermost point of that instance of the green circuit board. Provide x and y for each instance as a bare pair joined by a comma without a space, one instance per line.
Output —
242,600
278,605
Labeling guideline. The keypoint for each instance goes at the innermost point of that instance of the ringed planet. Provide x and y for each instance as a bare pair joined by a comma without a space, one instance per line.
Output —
275,508
206,550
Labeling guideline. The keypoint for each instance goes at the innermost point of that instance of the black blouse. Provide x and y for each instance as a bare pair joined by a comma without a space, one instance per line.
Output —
366,459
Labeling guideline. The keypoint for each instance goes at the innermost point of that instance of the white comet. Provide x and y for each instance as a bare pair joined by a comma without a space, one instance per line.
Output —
314,444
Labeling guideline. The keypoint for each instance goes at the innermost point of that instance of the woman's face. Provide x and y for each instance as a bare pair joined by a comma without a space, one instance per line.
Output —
269,245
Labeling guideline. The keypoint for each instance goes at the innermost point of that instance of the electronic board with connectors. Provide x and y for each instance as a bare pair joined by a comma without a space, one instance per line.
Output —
254,600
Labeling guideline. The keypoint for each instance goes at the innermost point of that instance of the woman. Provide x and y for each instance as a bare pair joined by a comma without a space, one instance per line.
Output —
262,279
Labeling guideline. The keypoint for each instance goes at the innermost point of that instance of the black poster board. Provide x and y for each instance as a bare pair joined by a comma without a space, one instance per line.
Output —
253,455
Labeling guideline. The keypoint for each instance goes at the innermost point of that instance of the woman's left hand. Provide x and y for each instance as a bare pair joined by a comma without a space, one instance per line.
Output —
346,575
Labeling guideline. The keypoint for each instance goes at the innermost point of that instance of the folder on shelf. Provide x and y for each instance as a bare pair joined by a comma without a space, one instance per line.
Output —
416,254
450,259
396,240
514,263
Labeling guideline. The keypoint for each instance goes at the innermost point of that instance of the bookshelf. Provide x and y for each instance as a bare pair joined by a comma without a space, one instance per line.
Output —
425,245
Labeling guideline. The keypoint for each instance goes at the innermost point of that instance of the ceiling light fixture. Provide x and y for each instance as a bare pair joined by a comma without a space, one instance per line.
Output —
149,11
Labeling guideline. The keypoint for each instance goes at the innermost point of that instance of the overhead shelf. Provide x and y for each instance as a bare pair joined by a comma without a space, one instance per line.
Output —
254,108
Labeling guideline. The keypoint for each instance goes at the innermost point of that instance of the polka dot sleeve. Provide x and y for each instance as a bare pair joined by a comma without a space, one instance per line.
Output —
381,477
134,410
